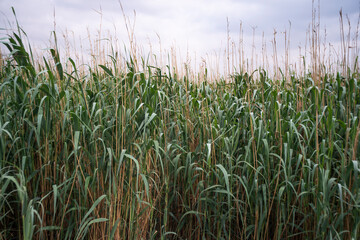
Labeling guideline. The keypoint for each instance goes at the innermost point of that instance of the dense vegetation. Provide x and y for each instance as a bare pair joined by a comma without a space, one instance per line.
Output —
126,154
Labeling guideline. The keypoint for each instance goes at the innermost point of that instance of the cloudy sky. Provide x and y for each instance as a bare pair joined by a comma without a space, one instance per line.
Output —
196,25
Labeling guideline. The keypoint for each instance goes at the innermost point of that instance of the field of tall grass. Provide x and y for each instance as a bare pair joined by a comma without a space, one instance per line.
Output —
115,152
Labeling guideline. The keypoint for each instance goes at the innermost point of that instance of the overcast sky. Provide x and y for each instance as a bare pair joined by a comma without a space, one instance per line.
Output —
196,25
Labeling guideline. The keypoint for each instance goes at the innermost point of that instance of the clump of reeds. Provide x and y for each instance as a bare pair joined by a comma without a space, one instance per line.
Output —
122,153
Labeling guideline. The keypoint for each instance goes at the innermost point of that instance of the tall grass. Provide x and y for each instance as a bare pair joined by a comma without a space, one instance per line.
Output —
127,154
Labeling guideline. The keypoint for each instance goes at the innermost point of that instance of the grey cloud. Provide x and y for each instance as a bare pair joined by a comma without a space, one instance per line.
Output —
200,23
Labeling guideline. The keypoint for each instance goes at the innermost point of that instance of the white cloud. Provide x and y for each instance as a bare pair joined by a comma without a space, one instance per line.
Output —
199,25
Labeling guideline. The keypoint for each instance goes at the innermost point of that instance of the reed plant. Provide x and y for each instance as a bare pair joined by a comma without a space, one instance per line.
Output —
123,153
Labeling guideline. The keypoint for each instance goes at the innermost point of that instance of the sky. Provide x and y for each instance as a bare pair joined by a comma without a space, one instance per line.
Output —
195,26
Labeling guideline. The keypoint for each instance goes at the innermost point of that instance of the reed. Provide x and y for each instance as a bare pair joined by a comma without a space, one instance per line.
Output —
123,149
